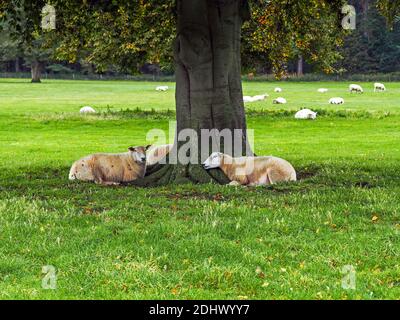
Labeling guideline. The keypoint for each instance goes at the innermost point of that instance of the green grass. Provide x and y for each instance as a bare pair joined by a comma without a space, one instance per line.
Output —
199,242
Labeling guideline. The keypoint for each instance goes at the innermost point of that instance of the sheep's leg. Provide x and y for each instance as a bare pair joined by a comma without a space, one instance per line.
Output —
235,184
110,183
101,182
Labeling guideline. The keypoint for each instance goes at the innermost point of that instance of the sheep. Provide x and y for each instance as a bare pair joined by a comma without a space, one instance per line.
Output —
278,90
156,153
306,114
252,171
379,87
323,90
86,110
162,88
111,169
336,101
279,100
356,88
255,98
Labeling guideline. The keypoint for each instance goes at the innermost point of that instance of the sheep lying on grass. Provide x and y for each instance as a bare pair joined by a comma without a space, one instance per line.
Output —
336,101
111,169
323,90
260,97
279,100
278,90
252,171
356,88
379,87
306,114
86,110
162,88
156,153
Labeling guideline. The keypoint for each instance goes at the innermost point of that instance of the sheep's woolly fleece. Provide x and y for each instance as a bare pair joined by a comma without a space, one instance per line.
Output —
87,109
336,101
306,114
260,97
162,88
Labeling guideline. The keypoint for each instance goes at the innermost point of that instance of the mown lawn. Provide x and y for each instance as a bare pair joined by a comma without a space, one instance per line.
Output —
199,242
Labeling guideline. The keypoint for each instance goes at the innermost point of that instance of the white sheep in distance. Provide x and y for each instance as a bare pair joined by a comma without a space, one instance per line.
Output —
260,97
356,88
86,110
162,88
379,87
306,114
279,100
336,101
322,90
278,90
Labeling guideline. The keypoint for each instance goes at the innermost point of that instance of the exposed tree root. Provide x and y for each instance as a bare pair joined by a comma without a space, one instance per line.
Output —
161,175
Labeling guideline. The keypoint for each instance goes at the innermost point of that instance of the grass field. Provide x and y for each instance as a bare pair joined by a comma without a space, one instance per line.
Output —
199,242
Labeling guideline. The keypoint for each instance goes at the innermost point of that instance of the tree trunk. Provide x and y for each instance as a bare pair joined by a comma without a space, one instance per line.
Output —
17,65
300,66
36,71
208,88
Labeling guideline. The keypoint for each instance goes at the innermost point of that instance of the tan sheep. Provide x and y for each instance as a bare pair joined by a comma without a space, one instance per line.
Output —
156,153
111,169
252,171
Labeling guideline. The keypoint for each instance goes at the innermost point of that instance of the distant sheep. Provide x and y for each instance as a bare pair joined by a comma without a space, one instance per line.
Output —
279,100
336,101
162,88
111,169
322,90
306,114
278,90
255,98
86,110
356,88
156,153
379,87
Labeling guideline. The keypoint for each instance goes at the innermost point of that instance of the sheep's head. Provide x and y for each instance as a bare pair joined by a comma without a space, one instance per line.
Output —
139,153
213,161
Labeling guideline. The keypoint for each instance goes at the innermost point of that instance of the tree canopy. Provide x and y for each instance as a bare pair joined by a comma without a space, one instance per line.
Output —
129,33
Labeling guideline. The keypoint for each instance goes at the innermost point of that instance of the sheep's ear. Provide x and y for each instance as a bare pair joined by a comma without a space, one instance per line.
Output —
132,149
147,147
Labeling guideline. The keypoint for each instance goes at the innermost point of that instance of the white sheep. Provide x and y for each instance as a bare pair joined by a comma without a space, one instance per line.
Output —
356,88
379,87
280,100
252,171
86,110
306,114
278,90
336,101
162,88
255,98
322,90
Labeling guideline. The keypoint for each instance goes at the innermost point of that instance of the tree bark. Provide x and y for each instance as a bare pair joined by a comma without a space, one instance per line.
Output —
208,87
36,71
17,65
300,66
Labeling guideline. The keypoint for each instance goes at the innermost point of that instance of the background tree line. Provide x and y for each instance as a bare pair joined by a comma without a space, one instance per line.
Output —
371,48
